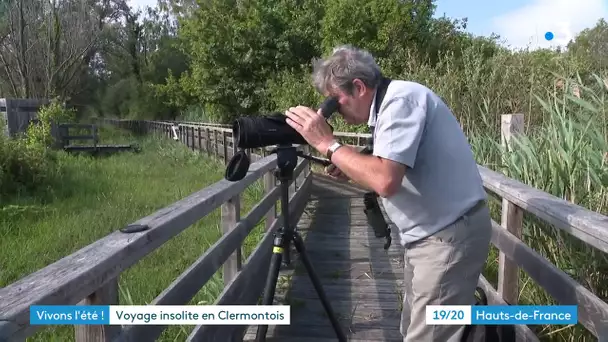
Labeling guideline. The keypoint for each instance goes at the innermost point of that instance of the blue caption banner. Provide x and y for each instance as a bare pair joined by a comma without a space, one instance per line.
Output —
69,314
524,314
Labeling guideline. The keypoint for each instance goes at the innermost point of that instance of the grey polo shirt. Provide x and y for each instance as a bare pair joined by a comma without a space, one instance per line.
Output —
441,183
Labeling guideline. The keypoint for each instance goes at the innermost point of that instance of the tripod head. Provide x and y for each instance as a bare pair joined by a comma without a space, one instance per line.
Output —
287,159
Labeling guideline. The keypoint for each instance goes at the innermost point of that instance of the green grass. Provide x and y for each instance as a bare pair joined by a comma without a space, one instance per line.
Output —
96,196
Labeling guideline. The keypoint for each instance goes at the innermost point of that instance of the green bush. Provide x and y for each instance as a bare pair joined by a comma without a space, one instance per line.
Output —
27,163
39,135
23,167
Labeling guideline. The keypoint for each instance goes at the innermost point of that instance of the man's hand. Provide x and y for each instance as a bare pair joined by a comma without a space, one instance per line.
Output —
336,173
312,126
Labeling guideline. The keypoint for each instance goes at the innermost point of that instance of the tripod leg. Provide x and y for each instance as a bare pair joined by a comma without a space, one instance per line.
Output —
271,282
287,229
299,244
286,255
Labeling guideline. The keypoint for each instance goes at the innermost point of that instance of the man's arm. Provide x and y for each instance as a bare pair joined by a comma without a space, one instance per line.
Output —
399,131
378,174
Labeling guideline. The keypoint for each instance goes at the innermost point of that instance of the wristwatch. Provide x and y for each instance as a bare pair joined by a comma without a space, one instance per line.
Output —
332,148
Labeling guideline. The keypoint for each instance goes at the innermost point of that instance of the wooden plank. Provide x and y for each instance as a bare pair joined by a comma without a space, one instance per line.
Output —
351,135
106,295
192,280
592,311
358,270
200,139
361,331
351,317
77,125
231,212
269,184
73,277
588,226
302,283
299,305
248,284
215,144
207,127
508,272
80,137
225,148
338,293
512,125
17,114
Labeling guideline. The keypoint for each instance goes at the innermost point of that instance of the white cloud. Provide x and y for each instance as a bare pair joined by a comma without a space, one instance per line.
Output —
526,26
141,4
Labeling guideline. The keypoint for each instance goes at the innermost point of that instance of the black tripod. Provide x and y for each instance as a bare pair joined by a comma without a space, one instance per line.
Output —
287,158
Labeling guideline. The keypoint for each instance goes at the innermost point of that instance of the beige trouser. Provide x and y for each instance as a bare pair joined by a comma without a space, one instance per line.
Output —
444,269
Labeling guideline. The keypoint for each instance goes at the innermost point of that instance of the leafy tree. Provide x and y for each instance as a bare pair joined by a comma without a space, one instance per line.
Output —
236,47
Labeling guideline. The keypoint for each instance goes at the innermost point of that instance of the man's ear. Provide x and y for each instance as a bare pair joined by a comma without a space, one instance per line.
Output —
359,87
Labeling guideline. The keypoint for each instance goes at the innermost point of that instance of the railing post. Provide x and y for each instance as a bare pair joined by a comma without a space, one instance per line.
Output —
216,146
187,133
95,136
269,184
225,145
230,216
208,144
192,139
510,125
200,139
105,295
512,218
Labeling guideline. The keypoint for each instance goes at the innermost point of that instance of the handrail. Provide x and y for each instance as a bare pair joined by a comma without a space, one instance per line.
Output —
90,275
81,275
587,226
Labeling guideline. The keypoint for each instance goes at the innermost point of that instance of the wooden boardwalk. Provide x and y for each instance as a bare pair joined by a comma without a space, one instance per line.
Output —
361,279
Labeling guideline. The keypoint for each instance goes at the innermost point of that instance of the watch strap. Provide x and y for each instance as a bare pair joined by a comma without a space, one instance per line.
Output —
332,148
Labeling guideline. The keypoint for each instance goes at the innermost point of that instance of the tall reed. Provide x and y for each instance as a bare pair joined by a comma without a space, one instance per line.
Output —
565,156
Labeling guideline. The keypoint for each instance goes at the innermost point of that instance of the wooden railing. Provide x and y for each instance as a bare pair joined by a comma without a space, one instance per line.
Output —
588,226
16,114
90,275
61,134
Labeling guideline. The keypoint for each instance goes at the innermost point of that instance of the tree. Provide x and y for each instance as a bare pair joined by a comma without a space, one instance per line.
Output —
46,46
236,47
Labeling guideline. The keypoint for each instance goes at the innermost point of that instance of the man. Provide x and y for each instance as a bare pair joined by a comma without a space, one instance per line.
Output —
423,169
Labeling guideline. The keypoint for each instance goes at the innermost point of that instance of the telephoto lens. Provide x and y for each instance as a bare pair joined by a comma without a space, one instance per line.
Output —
260,132
255,132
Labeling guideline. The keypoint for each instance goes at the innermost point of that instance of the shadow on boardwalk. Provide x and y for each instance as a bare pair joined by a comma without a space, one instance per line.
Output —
362,281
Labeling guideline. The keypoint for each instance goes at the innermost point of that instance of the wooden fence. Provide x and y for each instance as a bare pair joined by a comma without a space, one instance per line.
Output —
588,226
89,276
16,114
63,139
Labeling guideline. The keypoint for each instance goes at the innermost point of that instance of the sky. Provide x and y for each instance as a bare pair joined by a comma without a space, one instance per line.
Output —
523,23
520,23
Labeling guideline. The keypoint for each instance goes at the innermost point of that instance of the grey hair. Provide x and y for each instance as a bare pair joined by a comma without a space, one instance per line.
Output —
346,64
